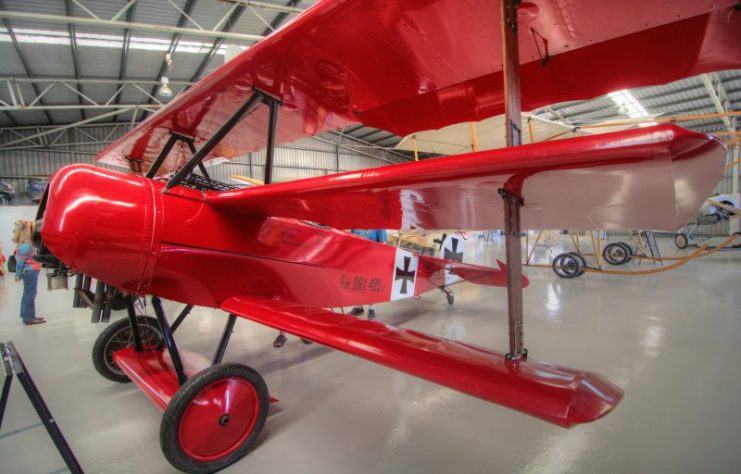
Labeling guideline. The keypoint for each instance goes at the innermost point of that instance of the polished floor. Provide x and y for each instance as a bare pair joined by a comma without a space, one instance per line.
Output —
671,340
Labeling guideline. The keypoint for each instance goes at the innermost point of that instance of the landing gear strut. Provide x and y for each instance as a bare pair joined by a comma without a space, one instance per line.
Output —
212,418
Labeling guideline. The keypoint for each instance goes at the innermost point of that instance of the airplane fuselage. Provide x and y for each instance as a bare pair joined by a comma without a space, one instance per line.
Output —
128,232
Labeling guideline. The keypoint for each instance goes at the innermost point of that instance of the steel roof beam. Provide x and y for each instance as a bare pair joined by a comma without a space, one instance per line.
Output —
184,15
289,8
22,57
122,25
226,26
130,8
86,80
75,57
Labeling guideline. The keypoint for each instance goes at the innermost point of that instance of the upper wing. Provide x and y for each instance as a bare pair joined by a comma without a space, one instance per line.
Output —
650,178
557,394
405,66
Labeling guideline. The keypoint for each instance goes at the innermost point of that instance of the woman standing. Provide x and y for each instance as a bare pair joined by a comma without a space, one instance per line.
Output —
27,269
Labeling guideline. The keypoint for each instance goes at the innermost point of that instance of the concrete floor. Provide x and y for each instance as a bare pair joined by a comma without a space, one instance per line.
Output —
671,340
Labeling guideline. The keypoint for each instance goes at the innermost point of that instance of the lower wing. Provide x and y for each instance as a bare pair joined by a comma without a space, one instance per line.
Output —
560,395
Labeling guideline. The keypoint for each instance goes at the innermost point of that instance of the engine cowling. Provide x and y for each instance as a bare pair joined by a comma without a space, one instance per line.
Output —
102,223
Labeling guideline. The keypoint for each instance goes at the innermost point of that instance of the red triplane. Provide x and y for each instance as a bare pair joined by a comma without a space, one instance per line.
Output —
273,254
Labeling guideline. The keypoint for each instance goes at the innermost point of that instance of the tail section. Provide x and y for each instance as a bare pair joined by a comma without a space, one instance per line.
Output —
434,273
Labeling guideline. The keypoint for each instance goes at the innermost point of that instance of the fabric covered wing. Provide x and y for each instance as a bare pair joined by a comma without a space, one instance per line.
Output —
556,394
648,178
410,65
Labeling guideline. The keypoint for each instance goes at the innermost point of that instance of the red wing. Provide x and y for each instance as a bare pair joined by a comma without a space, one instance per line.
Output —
648,178
405,66
556,394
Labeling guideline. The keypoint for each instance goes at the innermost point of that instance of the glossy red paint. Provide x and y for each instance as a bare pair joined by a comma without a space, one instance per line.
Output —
556,394
406,66
150,372
202,435
126,231
647,178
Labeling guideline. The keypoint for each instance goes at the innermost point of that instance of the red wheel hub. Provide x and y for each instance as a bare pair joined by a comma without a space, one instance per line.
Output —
219,419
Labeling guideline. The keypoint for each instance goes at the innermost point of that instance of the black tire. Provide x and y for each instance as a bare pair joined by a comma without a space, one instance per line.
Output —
616,253
451,298
681,241
117,336
628,249
186,424
567,266
581,259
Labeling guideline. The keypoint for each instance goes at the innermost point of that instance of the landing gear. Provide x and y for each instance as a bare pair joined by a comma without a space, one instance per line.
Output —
448,295
214,419
617,253
681,241
119,335
568,265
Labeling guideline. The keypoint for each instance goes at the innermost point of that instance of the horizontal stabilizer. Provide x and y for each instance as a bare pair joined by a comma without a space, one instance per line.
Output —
560,395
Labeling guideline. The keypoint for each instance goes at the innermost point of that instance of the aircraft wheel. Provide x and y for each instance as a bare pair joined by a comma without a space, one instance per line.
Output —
118,335
616,254
567,265
681,241
629,251
581,259
214,419
451,298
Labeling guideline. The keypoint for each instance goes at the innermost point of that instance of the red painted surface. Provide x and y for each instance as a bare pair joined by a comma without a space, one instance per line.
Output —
647,178
125,231
556,394
406,66
150,372
201,435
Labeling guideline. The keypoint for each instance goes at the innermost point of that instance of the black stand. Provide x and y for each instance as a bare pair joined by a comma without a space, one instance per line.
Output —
12,364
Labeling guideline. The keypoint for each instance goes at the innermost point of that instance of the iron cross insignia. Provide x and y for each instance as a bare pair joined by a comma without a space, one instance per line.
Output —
454,254
405,275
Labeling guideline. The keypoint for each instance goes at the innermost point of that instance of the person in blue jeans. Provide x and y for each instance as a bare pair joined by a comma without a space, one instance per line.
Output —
27,269
378,235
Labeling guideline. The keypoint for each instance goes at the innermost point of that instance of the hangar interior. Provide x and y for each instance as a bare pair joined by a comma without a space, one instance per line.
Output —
76,75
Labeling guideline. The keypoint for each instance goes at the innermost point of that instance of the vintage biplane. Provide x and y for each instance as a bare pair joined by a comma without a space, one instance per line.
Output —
273,254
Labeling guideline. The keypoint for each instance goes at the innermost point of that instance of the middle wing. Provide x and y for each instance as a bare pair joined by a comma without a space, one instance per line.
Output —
648,178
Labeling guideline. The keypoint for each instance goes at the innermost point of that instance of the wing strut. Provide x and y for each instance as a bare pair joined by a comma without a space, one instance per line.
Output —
254,100
511,195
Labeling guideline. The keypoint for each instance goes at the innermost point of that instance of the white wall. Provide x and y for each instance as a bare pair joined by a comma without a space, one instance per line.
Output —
8,216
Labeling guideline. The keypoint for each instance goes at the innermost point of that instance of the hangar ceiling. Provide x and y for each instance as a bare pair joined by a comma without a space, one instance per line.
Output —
78,62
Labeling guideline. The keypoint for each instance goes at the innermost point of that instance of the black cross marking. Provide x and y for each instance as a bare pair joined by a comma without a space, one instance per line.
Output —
454,254
405,275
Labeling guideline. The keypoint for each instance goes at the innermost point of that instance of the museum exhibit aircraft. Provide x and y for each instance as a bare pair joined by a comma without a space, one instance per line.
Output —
274,253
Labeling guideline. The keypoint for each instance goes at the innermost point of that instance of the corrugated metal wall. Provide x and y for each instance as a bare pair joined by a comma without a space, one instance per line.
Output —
301,159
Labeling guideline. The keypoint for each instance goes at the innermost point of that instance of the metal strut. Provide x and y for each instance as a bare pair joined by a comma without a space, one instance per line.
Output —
221,349
513,234
134,324
512,202
13,364
169,340
256,97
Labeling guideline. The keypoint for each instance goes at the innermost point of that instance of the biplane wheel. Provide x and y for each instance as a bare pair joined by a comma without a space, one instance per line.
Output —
628,249
616,254
567,265
118,336
215,418
681,241
451,298
582,260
